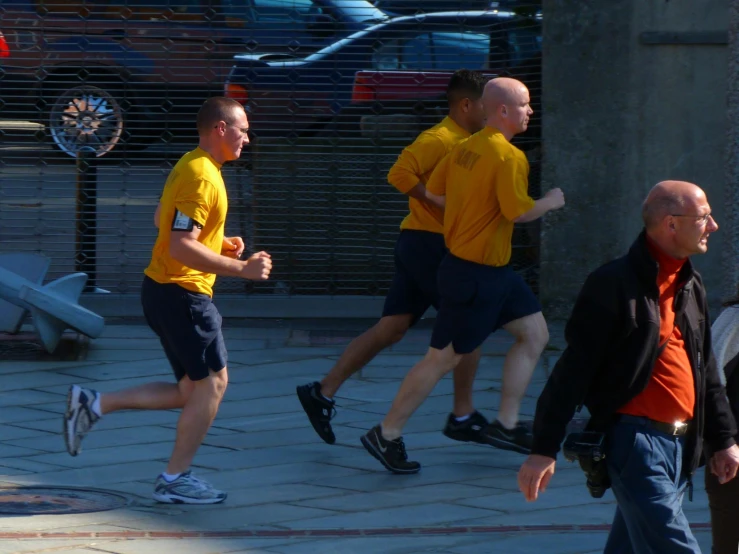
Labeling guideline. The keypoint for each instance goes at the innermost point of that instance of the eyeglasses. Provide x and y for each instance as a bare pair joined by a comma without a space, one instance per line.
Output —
244,130
702,219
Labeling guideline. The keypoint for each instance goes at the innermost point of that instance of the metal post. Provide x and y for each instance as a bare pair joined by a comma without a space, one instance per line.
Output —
85,254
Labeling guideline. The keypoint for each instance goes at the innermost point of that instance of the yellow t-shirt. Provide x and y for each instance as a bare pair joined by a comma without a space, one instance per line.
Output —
194,187
485,180
415,164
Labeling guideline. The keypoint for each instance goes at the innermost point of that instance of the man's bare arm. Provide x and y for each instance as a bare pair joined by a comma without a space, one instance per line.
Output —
157,214
186,249
419,192
552,200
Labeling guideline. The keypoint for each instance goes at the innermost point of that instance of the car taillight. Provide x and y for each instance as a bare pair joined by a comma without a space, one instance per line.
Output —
4,48
362,91
237,92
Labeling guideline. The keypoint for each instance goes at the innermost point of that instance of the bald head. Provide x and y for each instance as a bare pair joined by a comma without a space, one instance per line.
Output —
506,103
670,198
501,91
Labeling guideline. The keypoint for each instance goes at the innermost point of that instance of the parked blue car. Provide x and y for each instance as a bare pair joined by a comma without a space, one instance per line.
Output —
289,98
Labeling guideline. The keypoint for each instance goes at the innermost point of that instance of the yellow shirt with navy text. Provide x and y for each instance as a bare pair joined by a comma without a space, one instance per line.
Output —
194,187
416,163
485,180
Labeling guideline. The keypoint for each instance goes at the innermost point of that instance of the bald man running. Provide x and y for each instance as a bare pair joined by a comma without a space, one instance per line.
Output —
639,357
485,182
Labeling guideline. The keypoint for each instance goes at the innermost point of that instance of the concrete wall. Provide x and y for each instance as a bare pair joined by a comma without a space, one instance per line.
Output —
621,115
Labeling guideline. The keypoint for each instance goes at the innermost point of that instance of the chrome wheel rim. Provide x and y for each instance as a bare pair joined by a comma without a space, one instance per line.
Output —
86,116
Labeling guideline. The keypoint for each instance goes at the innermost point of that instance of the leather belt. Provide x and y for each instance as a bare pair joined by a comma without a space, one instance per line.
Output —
676,430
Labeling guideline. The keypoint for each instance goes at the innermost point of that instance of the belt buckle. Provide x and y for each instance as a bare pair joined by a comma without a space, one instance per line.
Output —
678,428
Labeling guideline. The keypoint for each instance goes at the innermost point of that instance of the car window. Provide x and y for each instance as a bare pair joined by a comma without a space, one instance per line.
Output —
465,49
415,53
386,55
411,53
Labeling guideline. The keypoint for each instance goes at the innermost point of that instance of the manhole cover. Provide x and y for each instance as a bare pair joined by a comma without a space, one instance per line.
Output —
52,500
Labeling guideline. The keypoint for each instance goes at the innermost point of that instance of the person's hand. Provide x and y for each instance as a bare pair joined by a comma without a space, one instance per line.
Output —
438,202
534,475
257,267
556,198
724,464
233,247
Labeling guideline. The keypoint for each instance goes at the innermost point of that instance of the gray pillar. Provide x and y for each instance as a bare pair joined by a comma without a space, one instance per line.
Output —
730,225
633,94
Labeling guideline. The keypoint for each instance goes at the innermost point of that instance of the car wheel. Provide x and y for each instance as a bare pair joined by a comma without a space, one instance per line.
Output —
86,115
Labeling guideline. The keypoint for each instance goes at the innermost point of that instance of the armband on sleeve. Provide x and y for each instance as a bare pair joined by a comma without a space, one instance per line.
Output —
181,222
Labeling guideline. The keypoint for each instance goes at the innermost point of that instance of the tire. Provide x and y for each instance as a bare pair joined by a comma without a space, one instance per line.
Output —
82,114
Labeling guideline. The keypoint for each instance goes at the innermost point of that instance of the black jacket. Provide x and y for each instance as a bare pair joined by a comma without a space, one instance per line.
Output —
612,342
731,369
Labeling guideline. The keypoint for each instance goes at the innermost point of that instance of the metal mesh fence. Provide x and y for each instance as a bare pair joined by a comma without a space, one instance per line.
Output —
334,90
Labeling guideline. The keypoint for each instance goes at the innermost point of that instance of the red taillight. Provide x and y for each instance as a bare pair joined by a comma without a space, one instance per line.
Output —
237,92
362,90
4,48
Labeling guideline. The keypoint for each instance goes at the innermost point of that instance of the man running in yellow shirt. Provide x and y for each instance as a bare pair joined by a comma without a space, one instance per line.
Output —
176,295
485,180
418,253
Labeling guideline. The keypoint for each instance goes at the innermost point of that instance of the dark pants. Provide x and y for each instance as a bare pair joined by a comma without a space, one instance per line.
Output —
645,467
413,289
188,326
724,503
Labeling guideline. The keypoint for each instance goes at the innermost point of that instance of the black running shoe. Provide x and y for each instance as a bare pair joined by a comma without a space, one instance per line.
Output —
390,453
471,429
519,439
318,409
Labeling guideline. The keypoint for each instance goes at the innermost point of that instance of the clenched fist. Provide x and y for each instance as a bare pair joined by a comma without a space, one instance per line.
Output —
556,198
257,267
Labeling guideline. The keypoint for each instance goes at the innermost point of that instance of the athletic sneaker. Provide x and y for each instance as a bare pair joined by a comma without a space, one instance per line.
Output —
79,417
390,453
319,410
186,489
471,429
519,439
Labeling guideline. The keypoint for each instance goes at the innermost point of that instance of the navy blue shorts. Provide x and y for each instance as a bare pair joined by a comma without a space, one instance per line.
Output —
476,300
188,326
414,287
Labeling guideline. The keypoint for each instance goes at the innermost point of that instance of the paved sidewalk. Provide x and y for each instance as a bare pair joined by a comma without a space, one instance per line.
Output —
288,491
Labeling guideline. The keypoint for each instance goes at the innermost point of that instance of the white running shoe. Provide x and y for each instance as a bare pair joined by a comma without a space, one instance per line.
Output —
186,489
79,417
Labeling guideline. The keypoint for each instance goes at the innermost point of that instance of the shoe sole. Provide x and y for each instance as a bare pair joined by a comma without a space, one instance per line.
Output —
174,499
68,424
510,446
372,450
483,440
305,398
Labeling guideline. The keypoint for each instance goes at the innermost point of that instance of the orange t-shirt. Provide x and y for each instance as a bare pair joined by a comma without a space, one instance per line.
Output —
670,394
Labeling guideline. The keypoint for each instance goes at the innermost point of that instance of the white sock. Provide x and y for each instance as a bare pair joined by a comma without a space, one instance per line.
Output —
96,406
326,398
169,478
463,418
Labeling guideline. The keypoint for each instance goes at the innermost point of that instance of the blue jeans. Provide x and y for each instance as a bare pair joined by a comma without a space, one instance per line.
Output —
645,467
